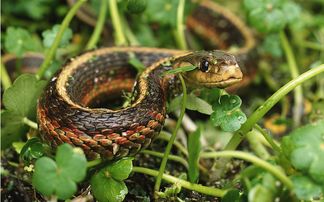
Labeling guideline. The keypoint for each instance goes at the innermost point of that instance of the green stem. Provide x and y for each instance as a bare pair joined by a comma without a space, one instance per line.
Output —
268,138
51,52
174,134
298,92
99,26
170,157
165,136
5,78
312,45
269,103
93,163
256,145
253,159
128,33
30,123
120,37
180,34
183,183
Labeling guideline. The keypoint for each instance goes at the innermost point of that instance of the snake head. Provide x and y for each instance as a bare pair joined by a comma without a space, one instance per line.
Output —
213,69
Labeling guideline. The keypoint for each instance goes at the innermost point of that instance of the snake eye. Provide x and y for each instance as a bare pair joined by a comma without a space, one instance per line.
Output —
204,66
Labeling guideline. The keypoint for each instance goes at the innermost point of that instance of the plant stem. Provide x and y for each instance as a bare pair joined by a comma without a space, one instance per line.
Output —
180,34
298,92
174,134
183,183
30,123
256,145
170,157
128,33
268,138
99,26
268,104
5,78
120,39
253,159
165,136
312,45
51,52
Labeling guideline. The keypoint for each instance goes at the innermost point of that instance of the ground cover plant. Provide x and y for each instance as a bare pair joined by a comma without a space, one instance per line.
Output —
264,142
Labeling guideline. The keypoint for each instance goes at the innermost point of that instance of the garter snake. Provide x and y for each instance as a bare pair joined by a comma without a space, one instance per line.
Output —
69,112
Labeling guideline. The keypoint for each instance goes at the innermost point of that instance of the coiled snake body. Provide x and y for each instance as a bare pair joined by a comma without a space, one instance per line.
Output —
69,111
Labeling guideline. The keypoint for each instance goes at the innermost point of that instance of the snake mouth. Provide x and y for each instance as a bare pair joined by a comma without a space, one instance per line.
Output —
221,84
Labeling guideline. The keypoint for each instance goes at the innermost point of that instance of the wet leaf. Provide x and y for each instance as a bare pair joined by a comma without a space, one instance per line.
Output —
32,149
227,113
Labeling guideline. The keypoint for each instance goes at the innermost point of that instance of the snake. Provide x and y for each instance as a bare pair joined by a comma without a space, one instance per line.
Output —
76,105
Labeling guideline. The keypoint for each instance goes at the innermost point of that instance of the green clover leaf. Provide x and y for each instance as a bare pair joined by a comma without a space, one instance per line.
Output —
20,102
304,148
69,168
227,113
49,36
108,185
18,41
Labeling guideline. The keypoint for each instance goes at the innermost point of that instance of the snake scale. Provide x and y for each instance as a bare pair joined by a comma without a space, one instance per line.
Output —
72,108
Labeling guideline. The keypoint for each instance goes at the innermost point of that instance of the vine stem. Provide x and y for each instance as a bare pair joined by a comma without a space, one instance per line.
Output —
174,134
268,104
183,183
170,157
268,138
120,38
180,35
99,26
30,123
50,54
166,136
298,92
253,159
5,78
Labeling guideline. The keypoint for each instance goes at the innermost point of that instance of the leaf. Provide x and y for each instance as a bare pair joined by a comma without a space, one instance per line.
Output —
260,193
193,103
162,12
305,188
107,189
136,6
272,45
12,128
304,148
180,69
232,195
18,41
69,168
21,97
49,36
120,169
227,113
194,148
20,101
107,184
32,149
